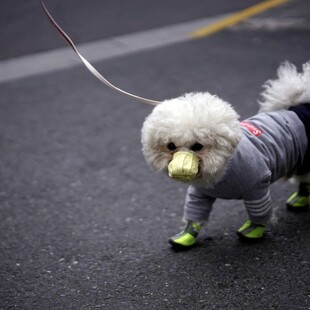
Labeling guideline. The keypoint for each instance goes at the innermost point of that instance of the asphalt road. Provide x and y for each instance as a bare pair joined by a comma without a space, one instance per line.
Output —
84,221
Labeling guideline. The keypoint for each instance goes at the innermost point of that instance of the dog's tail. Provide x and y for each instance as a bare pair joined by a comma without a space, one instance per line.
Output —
290,89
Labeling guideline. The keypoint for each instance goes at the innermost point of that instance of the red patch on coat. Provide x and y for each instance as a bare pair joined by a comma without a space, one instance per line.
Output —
254,130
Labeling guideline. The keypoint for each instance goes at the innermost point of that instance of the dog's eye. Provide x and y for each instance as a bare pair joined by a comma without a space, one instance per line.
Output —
196,147
171,146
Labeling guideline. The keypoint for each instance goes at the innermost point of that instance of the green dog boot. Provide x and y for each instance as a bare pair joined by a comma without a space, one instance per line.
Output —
251,231
187,237
299,201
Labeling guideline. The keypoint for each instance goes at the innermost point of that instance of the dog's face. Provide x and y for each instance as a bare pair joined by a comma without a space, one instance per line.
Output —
198,124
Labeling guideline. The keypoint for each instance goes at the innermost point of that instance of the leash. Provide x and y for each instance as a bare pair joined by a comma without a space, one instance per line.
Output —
89,66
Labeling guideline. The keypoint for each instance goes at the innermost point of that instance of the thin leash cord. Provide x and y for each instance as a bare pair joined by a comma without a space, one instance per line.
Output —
90,66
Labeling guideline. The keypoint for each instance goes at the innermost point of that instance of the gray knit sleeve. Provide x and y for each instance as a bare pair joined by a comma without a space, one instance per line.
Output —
258,202
198,204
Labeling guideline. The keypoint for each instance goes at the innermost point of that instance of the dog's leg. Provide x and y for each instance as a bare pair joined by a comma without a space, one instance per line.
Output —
299,201
259,208
196,213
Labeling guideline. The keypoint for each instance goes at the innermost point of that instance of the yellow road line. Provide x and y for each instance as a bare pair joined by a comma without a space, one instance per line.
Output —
236,18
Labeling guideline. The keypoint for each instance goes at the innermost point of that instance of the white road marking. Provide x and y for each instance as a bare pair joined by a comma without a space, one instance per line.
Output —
64,58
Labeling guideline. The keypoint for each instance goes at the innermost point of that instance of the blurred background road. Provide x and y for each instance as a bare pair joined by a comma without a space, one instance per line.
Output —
84,221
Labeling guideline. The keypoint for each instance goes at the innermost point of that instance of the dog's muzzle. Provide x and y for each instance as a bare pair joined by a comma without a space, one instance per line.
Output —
184,166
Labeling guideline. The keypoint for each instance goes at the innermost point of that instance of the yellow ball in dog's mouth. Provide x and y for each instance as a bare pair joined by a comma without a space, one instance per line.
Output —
184,166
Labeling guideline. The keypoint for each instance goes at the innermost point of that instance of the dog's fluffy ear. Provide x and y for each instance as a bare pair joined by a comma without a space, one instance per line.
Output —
218,121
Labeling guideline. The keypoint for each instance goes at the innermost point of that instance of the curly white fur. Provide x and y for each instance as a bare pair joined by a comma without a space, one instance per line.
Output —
192,118
290,89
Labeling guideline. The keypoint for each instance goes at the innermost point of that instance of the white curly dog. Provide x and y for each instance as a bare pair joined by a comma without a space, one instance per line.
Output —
198,138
